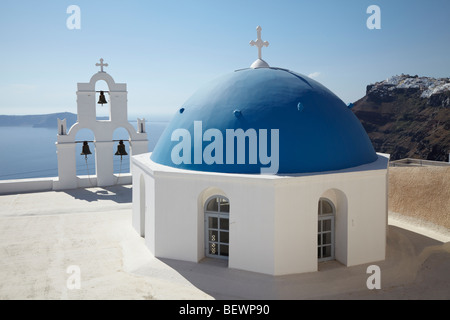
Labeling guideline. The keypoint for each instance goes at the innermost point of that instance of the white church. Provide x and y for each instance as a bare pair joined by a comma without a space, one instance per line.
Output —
266,169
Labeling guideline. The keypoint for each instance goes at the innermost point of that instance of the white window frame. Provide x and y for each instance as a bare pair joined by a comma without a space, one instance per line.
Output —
321,218
220,215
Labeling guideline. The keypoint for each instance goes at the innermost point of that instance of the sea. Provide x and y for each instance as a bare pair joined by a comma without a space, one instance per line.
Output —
27,152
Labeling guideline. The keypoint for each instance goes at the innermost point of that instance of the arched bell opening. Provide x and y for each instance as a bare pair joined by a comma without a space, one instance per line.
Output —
102,101
85,153
121,151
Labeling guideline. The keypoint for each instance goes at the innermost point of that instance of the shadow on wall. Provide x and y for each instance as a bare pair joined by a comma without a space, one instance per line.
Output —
118,194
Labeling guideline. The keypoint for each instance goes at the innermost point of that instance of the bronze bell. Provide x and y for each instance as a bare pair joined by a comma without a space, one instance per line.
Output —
102,99
85,151
121,150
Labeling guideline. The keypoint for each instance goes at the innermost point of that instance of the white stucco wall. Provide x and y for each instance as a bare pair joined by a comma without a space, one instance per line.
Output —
18,186
360,199
175,218
295,228
367,219
149,221
26,185
273,219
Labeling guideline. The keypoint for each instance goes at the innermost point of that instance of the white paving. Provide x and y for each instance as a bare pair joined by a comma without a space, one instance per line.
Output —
43,233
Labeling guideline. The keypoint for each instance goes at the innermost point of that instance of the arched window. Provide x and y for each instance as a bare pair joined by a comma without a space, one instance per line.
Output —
325,236
217,210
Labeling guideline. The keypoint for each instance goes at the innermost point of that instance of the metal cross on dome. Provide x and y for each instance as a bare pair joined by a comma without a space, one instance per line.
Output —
101,65
259,43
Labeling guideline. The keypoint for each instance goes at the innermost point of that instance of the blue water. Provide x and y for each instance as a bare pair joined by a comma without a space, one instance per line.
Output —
28,152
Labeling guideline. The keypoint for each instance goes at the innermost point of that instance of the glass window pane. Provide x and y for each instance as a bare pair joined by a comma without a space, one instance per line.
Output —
213,236
224,237
326,251
217,226
326,207
224,250
224,205
325,229
320,208
212,222
224,224
213,248
326,237
212,205
326,225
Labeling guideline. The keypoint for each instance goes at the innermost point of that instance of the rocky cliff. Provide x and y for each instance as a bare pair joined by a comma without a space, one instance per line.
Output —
408,117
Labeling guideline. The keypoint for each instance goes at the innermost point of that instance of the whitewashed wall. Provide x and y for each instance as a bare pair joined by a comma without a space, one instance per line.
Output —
273,219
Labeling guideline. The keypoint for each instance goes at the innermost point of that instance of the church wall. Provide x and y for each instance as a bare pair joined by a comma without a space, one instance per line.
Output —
86,106
135,193
118,106
150,212
340,201
367,219
149,221
104,162
176,215
360,222
66,167
252,235
273,220
295,228
180,219
176,218
360,199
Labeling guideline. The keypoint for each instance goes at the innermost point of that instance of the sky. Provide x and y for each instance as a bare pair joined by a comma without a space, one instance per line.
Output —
165,50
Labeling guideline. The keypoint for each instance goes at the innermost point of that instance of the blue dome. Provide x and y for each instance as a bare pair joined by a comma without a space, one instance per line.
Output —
317,132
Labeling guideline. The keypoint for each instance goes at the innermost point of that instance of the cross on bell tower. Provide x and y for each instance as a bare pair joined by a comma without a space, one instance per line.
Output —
259,43
101,65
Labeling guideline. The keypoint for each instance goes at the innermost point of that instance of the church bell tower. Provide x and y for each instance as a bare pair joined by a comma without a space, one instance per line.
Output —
103,133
